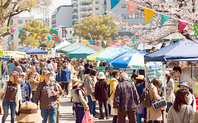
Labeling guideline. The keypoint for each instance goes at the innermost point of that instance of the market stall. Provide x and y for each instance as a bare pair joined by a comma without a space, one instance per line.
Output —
81,52
36,51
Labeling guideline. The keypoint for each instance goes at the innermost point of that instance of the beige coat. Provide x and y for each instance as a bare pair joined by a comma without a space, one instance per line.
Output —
36,81
151,113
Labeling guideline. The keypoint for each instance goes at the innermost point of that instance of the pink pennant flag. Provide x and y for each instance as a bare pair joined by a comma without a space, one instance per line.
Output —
27,33
63,39
77,40
105,42
182,25
126,41
131,7
13,30
42,36
98,41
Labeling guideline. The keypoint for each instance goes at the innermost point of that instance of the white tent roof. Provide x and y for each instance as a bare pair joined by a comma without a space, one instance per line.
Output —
62,44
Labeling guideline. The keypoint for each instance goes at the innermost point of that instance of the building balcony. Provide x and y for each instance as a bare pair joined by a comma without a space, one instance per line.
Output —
74,1
85,12
86,6
75,7
75,13
75,19
86,1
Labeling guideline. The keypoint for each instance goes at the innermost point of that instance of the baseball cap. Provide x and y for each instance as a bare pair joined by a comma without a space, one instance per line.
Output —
46,72
184,84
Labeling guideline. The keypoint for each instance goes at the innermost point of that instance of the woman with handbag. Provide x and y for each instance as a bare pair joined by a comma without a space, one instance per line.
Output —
181,112
154,116
79,101
11,93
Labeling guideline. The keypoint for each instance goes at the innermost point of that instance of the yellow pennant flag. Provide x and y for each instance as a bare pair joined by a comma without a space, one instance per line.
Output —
119,41
6,27
148,14
35,34
84,41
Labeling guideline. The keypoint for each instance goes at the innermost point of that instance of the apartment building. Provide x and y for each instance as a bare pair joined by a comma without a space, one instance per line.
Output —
62,16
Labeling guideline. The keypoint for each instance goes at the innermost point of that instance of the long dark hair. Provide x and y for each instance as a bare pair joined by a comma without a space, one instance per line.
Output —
168,76
180,99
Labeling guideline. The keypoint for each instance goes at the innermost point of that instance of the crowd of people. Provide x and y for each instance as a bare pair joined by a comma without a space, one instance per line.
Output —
41,82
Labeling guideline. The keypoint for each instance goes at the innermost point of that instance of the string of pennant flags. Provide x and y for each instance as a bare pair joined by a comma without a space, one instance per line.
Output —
131,7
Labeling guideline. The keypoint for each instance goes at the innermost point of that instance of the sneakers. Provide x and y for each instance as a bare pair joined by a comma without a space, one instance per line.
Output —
95,116
101,118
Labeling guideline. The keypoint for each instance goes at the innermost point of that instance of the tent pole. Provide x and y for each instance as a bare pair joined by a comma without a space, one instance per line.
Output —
164,92
192,69
145,74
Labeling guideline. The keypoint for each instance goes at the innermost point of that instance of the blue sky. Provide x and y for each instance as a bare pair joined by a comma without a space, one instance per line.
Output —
55,4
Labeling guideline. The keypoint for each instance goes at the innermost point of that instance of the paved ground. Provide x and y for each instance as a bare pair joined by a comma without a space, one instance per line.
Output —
67,113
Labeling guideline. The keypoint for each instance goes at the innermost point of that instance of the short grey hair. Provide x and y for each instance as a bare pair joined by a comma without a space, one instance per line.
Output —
124,76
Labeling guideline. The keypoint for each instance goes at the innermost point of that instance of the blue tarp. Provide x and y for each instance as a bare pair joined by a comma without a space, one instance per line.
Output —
183,50
25,49
81,52
36,51
5,58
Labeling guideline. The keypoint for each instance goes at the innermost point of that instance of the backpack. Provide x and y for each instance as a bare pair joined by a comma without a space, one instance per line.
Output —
145,99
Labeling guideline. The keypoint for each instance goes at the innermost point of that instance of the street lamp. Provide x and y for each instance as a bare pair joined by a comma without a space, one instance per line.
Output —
63,32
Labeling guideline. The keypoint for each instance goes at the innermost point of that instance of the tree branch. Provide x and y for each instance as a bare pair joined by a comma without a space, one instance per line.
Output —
5,6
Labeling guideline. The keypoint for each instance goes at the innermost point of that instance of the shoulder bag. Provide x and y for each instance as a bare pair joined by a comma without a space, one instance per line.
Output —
159,103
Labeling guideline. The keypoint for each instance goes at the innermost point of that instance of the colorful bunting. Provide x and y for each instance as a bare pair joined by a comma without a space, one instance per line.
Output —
148,14
27,33
42,36
182,25
131,7
196,30
98,41
13,30
91,41
114,3
164,18
20,32
119,41
7,42
84,41
126,41
133,40
63,39
49,38
112,41
12,43
77,40
56,38
105,42
70,40
35,34
6,28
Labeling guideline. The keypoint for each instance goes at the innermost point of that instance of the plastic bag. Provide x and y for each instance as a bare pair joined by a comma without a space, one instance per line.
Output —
88,118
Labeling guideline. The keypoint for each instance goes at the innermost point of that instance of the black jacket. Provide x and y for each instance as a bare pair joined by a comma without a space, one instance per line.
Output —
101,91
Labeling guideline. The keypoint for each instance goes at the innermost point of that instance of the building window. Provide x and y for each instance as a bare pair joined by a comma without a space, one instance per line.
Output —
20,21
97,2
105,2
70,32
30,20
124,6
97,8
11,37
26,21
124,16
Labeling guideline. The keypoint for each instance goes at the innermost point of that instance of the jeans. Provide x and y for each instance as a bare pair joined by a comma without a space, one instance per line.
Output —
131,116
33,92
6,105
92,105
27,99
105,103
79,114
139,117
64,86
49,112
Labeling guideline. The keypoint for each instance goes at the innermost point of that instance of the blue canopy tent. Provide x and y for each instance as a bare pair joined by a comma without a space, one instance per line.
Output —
123,60
36,51
183,50
5,58
25,49
81,52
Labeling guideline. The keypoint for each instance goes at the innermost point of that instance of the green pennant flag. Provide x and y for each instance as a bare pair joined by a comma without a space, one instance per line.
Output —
196,30
164,18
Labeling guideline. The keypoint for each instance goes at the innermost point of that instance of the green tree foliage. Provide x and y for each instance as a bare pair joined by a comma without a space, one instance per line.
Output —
39,28
10,8
96,28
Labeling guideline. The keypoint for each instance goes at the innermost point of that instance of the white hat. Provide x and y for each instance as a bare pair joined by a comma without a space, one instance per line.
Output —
23,74
101,75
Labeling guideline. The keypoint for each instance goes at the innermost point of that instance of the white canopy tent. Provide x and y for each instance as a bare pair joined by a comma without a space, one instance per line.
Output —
62,44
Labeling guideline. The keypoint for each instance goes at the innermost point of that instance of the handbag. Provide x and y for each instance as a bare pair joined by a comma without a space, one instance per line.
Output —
159,103
87,118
